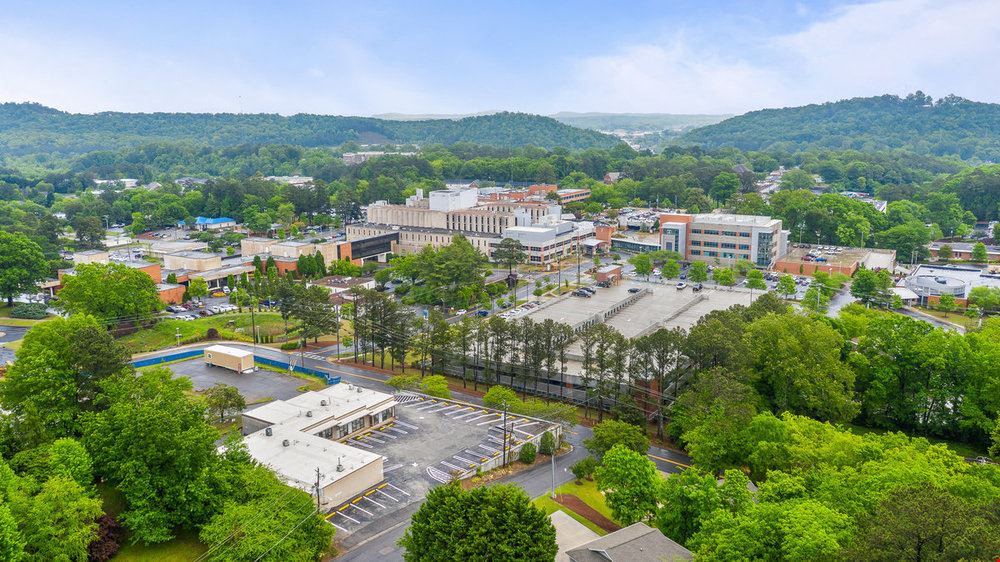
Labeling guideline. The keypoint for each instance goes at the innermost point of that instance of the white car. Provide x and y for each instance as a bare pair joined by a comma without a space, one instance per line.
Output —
681,286
460,312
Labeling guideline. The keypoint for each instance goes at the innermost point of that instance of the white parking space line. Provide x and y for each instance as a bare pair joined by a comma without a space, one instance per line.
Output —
488,448
463,459
390,468
479,417
438,474
388,496
355,506
445,408
451,466
373,438
337,526
374,502
524,432
460,410
345,516
466,415
526,424
404,424
400,431
385,433
399,489
429,406
487,421
361,444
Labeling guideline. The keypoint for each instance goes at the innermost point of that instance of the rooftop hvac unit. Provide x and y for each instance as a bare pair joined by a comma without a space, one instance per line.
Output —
359,390
284,442
309,413
322,402
268,431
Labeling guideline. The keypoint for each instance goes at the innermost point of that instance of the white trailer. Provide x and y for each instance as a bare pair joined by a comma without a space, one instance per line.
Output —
229,358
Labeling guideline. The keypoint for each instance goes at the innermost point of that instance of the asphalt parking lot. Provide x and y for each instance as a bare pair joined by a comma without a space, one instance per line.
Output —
430,442
255,387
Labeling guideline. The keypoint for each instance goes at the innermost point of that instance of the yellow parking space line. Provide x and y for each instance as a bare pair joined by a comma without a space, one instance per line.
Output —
381,486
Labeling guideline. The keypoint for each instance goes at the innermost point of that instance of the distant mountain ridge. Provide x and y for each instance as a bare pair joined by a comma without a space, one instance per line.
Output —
27,128
632,122
948,126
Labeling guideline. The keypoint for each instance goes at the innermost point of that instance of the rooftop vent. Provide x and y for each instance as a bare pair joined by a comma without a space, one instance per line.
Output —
359,390
268,431
309,413
322,402
340,467
284,442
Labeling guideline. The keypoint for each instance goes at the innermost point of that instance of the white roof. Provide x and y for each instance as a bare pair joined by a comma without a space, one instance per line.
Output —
296,463
904,293
724,219
224,350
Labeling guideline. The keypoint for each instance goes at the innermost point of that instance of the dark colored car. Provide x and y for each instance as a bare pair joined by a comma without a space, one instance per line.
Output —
482,313
697,287
634,290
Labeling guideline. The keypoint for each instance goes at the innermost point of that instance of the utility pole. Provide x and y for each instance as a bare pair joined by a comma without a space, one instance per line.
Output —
578,263
317,488
504,433
553,458
178,336
253,323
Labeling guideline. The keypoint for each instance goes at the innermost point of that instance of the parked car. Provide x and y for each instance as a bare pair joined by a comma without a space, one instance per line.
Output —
681,286
482,313
634,289
461,312
581,293
226,290
697,287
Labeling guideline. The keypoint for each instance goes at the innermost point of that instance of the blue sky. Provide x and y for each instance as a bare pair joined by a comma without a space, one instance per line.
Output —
361,58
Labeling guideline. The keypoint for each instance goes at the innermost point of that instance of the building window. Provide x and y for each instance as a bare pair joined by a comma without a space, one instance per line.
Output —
744,235
712,232
744,246
695,252
695,231
696,242
712,244
711,254
357,425
729,245
728,233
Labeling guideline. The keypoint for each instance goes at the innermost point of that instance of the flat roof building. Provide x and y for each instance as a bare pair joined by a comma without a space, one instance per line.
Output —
296,437
723,238
192,260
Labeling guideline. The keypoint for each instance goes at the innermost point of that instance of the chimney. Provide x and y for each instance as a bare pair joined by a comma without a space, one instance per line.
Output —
268,431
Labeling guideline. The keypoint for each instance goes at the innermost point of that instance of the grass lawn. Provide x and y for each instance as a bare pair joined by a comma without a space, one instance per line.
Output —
184,547
311,382
953,317
164,333
588,493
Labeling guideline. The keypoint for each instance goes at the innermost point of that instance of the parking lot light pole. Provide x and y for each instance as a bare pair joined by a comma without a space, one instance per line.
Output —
178,335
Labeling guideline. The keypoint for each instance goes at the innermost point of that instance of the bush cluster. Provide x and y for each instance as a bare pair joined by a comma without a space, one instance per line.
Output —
29,311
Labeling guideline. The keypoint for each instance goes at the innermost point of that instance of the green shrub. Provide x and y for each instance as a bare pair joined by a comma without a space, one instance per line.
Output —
528,453
547,445
584,468
404,382
497,395
290,345
435,385
538,292
29,311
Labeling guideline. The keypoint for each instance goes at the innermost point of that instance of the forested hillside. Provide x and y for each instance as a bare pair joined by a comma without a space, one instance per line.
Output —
636,121
32,128
949,126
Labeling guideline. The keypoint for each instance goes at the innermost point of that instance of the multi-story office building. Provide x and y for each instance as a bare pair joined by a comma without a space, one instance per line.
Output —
716,237
433,221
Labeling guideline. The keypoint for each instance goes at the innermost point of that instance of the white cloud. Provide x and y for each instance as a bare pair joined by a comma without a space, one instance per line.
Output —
90,74
892,46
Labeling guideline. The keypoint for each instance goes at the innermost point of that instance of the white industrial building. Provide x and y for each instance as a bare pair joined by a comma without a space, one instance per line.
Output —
296,437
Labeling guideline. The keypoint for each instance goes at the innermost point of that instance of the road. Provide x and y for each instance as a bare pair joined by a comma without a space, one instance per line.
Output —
378,542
